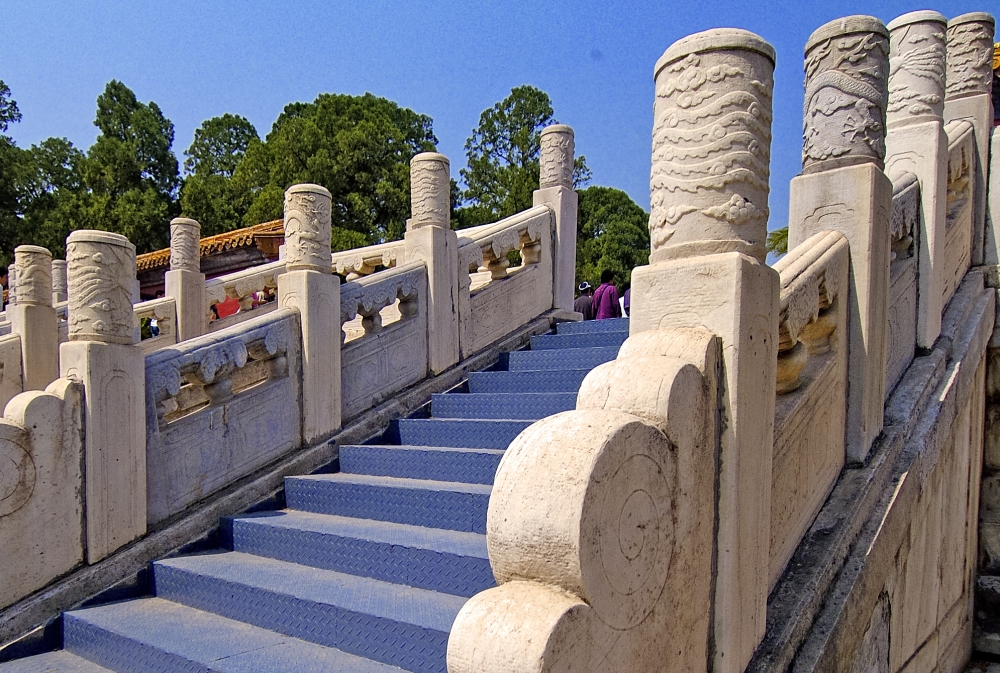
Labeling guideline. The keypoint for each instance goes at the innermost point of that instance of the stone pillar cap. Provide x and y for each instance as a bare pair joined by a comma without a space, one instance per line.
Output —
95,236
920,16
857,23
716,39
309,188
58,262
557,128
33,248
972,17
430,156
186,220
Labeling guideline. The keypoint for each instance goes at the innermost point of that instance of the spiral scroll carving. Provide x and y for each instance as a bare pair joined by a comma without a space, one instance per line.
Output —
101,270
307,228
711,146
847,69
970,55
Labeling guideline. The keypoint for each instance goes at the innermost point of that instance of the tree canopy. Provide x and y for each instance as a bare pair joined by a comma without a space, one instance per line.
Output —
612,233
502,155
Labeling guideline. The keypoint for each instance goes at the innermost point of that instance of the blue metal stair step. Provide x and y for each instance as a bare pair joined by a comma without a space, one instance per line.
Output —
61,661
154,634
522,406
439,463
390,623
579,340
591,326
459,432
426,558
544,381
560,358
418,502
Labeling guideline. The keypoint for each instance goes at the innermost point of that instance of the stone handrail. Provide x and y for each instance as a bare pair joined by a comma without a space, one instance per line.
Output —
486,247
905,218
961,148
363,261
369,295
242,285
164,311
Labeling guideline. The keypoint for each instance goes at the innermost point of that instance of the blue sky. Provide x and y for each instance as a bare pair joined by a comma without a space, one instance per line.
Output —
450,60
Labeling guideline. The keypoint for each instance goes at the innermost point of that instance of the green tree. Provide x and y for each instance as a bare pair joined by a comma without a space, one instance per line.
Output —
777,241
209,193
502,155
11,178
358,147
52,194
612,233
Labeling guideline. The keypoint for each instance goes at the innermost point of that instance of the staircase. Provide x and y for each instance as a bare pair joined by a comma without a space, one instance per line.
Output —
367,568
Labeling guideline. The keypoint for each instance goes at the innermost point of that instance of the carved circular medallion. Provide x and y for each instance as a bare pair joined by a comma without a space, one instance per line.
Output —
17,476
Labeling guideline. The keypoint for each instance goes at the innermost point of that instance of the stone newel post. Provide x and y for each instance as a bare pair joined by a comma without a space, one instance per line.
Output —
556,190
102,356
968,95
310,286
708,189
34,318
917,144
843,188
184,281
60,287
429,238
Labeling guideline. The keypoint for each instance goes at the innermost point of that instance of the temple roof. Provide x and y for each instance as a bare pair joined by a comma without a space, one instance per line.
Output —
211,245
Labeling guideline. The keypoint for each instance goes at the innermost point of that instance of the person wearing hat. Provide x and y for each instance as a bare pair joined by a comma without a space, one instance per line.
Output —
585,302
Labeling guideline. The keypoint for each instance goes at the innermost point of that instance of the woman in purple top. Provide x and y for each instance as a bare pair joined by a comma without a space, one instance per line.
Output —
606,297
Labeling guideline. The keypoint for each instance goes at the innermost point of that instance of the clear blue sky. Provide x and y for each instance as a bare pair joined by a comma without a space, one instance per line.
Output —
450,60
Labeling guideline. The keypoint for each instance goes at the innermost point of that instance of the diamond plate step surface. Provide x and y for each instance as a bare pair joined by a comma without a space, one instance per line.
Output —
591,326
545,381
563,358
158,635
466,433
418,502
439,463
579,340
427,558
385,622
53,662
524,406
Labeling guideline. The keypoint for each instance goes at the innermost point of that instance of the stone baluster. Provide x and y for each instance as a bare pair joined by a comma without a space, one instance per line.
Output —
184,281
556,191
101,354
917,143
968,95
843,188
708,189
12,284
429,238
60,291
310,286
34,318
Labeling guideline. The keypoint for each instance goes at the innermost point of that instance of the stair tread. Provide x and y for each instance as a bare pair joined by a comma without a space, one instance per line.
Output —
401,534
53,662
592,326
421,447
396,602
217,642
500,406
397,482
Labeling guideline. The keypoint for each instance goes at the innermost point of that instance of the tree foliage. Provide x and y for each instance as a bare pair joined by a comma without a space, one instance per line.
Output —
612,233
503,158
777,241
358,147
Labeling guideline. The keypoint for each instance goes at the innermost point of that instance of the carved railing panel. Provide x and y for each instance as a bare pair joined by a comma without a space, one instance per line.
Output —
245,286
902,310
11,382
386,356
810,414
959,211
493,298
365,261
164,312
219,407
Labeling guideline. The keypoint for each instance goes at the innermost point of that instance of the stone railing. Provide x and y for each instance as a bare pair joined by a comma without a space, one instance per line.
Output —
364,261
164,312
386,356
246,286
812,385
958,204
902,320
218,407
493,298
11,382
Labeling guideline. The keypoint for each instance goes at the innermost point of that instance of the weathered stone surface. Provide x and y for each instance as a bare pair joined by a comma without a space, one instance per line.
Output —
307,228
557,192
101,268
917,68
184,281
430,191
60,283
34,318
711,146
847,70
185,250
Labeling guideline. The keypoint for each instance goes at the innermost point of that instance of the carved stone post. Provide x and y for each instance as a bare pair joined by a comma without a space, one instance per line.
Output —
60,287
968,95
184,281
310,286
34,318
708,189
101,354
556,191
843,188
917,143
429,238
12,284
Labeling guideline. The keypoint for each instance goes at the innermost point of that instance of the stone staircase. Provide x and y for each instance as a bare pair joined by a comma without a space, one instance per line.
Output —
367,568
